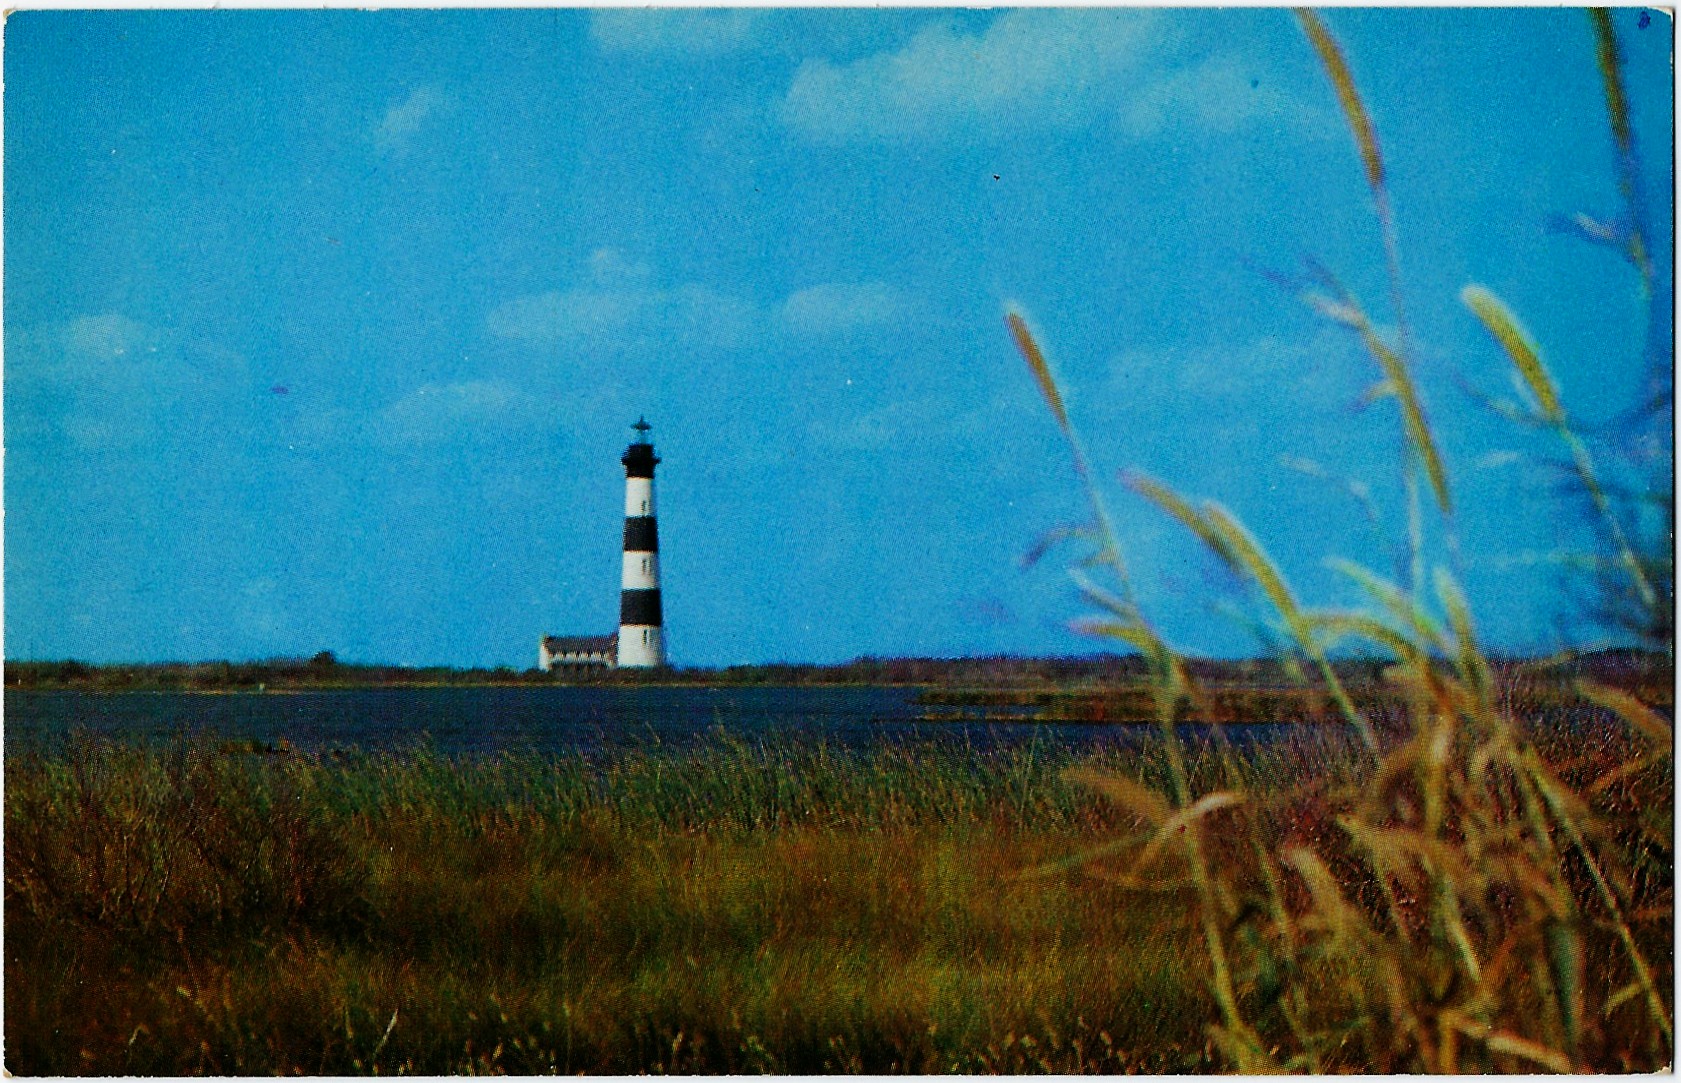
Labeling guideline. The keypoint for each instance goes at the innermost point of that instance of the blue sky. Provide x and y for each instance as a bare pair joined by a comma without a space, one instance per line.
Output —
324,330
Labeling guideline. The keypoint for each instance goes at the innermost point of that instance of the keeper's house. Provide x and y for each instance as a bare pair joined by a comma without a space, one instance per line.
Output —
555,652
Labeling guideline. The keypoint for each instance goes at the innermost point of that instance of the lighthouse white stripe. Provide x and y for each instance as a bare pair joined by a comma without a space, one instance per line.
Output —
639,496
641,571
640,645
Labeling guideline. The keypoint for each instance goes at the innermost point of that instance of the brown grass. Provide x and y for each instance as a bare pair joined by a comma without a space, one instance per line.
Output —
1457,900
739,909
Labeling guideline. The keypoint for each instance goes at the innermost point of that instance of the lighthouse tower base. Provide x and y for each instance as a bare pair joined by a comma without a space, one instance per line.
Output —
640,647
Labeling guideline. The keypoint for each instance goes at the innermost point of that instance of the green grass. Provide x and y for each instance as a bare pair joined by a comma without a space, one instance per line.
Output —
740,908
743,908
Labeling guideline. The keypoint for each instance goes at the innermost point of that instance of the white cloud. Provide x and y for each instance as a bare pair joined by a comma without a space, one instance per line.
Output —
618,306
1028,66
873,430
467,411
621,307
108,381
1264,366
108,337
841,308
594,316
610,267
1033,67
1220,94
686,31
406,118
709,317
623,319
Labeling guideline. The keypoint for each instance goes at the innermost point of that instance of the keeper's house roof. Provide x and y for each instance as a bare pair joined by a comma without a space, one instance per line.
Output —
581,644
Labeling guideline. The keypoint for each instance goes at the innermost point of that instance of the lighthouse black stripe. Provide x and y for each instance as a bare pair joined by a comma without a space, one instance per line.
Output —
639,461
640,607
641,535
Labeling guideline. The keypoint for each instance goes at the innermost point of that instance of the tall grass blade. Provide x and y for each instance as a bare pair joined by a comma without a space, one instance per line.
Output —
1332,910
1452,895
1331,626
1228,539
1622,133
1417,429
1649,723
1355,488
1053,538
1359,122
1140,800
1176,827
1397,381
1109,550
1518,345
1567,808
1365,138
1564,956
1425,631
1533,1052
1473,667
1035,357
1417,426
1181,509
1251,559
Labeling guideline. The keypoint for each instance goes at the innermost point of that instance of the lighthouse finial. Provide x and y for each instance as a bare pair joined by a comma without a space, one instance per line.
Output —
642,427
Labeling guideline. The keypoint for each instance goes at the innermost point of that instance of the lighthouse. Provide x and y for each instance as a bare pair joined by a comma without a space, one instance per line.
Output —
641,635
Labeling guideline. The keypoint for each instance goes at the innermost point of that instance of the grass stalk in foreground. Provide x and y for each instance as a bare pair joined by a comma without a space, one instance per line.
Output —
1459,904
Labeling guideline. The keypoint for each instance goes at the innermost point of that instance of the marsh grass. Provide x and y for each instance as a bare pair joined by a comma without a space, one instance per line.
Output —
1471,890
743,907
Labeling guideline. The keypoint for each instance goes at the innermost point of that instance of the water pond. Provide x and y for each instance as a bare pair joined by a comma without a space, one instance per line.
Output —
549,720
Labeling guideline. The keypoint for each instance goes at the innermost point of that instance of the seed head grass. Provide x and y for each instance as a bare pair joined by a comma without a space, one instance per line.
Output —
1483,889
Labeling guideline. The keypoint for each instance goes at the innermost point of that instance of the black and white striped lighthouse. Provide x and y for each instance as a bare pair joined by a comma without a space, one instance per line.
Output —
641,635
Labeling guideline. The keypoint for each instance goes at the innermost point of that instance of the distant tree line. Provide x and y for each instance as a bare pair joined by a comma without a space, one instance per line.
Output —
322,670
1621,667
